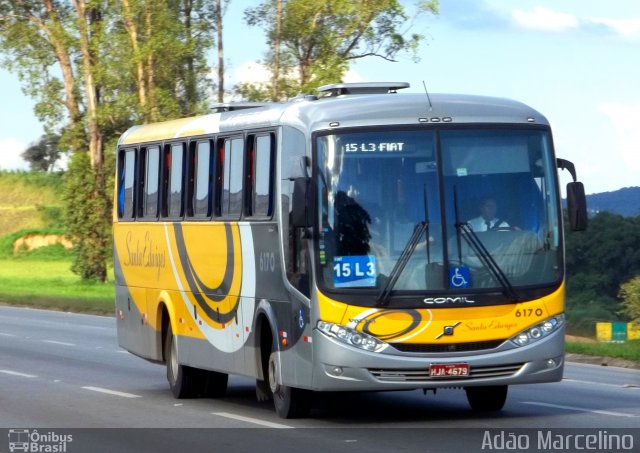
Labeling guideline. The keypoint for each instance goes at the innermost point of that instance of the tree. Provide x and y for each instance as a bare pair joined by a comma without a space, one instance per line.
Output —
119,62
161,47
312,42
630,298
43,154
598,261
218,15
84,216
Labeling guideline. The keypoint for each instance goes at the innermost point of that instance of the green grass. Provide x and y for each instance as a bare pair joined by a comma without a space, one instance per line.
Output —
628,351
29,200
51,284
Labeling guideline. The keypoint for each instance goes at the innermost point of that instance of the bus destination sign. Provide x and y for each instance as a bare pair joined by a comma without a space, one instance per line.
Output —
374,147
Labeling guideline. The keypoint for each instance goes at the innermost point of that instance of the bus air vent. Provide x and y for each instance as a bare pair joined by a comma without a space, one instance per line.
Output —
447,347
422,374
342,89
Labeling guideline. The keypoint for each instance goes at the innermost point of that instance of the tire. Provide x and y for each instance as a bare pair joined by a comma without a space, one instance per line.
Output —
289,402
184,381
263,392
215,384
487,399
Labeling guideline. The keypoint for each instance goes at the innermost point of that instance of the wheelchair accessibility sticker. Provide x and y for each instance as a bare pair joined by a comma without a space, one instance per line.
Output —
459,277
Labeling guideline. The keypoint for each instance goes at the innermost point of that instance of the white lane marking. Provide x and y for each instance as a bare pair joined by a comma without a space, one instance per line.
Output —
251,420
582,409
599,383
15,373
63,343
112,392
2,334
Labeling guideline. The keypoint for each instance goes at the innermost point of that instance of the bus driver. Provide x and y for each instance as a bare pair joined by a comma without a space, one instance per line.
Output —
487,219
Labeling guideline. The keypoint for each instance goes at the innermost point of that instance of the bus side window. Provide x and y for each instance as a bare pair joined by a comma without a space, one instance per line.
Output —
151,181
202,180
173,180
218,180
233,178
260,176
126,182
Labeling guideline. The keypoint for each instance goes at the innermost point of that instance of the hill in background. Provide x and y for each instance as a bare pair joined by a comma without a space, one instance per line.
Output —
29,200
625,202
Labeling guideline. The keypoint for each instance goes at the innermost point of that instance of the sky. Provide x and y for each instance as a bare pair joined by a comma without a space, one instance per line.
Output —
577,62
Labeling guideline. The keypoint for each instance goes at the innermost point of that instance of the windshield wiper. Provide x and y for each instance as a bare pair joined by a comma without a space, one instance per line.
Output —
485,257
383,297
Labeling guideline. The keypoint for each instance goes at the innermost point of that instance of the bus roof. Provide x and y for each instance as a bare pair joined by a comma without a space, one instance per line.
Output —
310,114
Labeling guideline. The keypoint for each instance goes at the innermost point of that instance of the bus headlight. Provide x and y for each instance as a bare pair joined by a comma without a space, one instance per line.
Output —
538,331
351,336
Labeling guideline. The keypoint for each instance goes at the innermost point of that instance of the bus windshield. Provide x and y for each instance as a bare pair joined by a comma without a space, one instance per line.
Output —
452,210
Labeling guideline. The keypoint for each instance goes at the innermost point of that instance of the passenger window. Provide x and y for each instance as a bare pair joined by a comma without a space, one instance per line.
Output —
202,192
126,184
233,163
151,182
172,180
174,199
262,177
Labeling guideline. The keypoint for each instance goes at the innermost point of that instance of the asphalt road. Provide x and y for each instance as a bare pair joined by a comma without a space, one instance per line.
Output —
63,372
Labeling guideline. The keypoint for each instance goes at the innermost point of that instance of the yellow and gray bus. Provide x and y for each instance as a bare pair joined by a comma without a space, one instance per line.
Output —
331,243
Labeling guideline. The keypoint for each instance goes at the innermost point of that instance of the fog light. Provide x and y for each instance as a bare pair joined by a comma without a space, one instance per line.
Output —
551,363
337,370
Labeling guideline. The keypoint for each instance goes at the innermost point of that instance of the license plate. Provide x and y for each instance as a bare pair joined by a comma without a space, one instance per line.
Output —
449,370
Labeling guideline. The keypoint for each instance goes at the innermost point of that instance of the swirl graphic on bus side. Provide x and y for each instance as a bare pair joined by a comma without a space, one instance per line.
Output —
201,292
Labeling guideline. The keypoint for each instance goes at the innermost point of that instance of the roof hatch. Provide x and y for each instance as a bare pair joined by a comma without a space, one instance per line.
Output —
233,106
341,89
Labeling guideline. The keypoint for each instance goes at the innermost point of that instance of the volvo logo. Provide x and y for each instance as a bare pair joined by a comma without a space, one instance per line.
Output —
448,330
448,300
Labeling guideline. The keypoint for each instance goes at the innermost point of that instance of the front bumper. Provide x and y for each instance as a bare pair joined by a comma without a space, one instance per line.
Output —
339,367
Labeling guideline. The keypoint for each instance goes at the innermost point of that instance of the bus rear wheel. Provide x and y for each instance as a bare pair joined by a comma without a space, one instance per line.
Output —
289,402
487,399
184,381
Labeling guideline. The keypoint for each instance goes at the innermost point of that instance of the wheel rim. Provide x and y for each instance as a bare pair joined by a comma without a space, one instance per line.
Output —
173,361
273,374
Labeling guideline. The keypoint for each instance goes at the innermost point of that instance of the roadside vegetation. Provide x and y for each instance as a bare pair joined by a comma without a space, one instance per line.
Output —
30,207
42,282
29,200
603,266
627,351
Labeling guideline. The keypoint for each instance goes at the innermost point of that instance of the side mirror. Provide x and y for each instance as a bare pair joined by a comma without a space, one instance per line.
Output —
301,203
576,200
577,206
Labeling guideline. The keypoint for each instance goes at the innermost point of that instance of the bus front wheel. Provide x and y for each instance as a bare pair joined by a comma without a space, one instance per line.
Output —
487,399
289,402
184,381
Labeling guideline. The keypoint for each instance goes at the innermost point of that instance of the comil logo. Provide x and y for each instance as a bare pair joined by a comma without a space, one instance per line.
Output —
33,441
448,300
